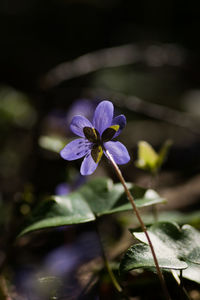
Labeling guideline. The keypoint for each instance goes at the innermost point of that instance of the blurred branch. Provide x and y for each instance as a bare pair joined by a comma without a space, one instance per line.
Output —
156,111
152,55
183,195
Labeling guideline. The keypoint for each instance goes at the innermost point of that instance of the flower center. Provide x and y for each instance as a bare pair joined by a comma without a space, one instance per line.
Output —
109,133
93,136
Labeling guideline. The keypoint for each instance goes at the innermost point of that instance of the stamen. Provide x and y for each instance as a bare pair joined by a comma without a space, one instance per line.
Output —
91,134
109,133
115,127
97,153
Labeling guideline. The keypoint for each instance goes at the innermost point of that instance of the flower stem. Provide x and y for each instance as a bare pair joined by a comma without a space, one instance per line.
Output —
130,197
107,265
151,185
112,276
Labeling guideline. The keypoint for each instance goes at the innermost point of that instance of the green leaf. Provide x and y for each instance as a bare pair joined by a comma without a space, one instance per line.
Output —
148,159
163,152
52,143
192,218
59,211
94,199
140,256
104,197
174,247
16,108
192,272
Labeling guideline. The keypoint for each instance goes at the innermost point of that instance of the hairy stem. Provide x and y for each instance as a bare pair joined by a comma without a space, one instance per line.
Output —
144,229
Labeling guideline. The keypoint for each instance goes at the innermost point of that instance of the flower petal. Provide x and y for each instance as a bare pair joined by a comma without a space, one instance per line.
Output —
121,121
75,149
77,125
118,152
63,189
103,116
88,165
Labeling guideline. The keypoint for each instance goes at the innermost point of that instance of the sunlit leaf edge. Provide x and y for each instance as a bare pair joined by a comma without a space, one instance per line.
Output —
179,248
58,221
61,220
140,256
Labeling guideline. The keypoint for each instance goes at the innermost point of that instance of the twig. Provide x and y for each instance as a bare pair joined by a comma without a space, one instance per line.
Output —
153,55
153,110
90,62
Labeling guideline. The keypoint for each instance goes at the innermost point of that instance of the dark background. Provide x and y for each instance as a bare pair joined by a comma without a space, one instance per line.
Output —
35,37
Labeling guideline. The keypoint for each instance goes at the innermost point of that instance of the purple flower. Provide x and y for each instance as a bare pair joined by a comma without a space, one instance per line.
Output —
96,138
64,188
85,107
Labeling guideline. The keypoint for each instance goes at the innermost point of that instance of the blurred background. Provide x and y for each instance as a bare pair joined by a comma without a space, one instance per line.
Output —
59,58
